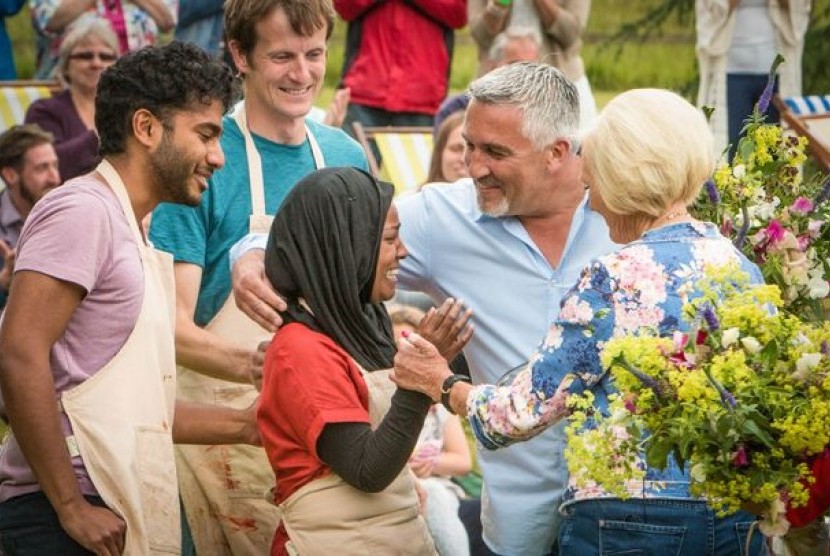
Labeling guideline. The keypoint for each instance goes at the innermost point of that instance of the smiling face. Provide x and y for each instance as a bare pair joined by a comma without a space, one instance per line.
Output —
510,175
452,157
38,174
284,71
391,251
188,154
87,62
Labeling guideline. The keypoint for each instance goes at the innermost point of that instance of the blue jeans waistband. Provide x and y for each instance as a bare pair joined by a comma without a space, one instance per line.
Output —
644,489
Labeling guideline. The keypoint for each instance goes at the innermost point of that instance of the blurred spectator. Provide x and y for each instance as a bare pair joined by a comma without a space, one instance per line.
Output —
447,162
7,9
516,44
88,49
559,22
29,166
136,23
201,23
736,43
397,60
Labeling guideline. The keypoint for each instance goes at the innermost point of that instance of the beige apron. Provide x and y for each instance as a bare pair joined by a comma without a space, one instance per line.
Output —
328,516
122,416
224,488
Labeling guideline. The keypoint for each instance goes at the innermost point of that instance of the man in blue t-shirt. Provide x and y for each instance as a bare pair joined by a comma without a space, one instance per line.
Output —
269,145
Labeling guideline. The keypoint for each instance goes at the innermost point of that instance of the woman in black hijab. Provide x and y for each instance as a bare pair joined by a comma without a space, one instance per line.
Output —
337,432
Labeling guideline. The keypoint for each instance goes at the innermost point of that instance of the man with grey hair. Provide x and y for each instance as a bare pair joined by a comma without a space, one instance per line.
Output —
510,241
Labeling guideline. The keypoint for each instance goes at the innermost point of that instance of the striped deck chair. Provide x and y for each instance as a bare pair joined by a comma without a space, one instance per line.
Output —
809,116
16,96
405,152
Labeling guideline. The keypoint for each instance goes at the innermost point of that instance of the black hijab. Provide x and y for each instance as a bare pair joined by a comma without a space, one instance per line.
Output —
323,247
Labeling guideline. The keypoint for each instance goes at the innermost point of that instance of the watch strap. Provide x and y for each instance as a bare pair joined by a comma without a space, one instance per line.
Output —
446,387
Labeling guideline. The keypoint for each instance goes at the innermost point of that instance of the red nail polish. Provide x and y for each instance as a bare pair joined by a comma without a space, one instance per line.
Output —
405,333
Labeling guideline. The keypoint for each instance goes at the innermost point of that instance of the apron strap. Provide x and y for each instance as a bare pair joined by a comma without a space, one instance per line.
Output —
256,181
113,179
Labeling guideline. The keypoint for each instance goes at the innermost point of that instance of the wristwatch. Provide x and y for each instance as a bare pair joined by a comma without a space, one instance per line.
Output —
447,385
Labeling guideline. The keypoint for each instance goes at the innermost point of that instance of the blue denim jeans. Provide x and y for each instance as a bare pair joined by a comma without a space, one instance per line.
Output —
29,526
653,527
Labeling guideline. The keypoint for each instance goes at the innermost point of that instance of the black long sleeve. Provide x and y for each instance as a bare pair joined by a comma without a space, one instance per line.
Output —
370,460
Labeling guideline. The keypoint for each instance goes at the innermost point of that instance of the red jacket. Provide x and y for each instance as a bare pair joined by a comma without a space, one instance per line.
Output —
398,52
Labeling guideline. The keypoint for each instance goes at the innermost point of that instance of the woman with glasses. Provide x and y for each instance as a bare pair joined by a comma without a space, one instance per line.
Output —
89,49
136,23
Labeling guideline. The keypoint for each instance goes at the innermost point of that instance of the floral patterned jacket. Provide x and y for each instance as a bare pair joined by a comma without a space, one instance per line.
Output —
644,284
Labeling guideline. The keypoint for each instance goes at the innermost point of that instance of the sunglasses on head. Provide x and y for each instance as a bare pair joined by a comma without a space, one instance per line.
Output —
88,56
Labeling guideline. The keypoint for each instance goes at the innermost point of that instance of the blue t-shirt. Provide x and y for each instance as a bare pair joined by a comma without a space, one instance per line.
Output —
202,235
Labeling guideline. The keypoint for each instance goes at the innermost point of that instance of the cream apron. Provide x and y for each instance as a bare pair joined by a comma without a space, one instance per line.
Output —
224,488
328,516
122,416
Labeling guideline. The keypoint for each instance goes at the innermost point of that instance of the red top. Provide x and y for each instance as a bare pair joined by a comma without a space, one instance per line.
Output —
819,493
398,52
308,382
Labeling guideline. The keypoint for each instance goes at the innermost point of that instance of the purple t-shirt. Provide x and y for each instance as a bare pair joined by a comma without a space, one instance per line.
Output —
78,233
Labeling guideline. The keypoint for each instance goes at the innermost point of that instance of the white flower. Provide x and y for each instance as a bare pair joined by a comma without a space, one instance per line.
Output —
751,344
739,171
730,336
819,287
698,472
807,361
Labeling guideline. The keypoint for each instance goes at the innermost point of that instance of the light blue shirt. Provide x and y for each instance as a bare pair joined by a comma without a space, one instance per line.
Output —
494,266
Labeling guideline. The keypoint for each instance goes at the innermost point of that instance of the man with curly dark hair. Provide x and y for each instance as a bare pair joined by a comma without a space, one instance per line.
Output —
89,324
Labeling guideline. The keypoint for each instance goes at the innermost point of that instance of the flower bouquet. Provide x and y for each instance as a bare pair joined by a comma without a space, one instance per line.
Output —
777,218
742,400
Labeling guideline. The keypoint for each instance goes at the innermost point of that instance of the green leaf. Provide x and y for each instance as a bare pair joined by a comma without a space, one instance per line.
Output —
769,353
657,452
760,434
745,148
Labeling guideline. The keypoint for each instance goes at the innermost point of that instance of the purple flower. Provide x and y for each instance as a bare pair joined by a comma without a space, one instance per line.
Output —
766,96
712,191
648,381
825,349
802,205
727,398
708,314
